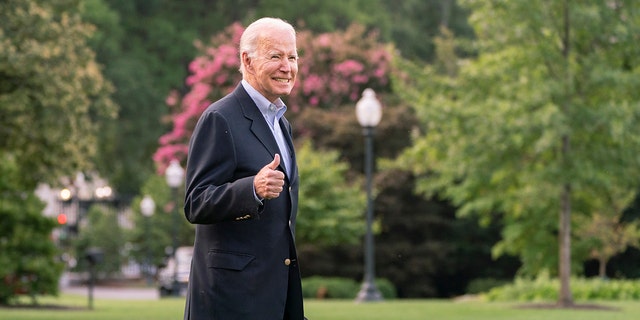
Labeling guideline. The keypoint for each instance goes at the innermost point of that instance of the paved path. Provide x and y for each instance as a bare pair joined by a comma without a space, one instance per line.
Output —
124,293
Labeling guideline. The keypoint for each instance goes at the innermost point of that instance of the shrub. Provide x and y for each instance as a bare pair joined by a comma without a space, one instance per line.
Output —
480,285
341,288
329,287
545,289
386,288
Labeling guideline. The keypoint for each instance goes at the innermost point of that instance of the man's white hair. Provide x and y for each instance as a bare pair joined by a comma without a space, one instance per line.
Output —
252,34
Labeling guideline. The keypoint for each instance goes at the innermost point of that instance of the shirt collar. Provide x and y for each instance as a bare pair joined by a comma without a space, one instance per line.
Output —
262,102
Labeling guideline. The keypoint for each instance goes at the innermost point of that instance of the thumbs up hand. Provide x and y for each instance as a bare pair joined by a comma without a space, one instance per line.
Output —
268,183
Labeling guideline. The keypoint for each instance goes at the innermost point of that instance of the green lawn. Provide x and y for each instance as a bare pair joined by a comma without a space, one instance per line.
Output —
171,309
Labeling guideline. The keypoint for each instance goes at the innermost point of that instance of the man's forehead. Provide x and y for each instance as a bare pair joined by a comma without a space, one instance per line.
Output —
279,51
270,45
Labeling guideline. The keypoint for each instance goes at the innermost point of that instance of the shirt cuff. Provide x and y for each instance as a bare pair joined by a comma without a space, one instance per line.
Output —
255,196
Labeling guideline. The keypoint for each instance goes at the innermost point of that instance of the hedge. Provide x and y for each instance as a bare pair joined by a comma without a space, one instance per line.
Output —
582,289
341,288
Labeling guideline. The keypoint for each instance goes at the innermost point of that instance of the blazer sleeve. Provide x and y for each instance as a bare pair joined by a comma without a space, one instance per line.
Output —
213,194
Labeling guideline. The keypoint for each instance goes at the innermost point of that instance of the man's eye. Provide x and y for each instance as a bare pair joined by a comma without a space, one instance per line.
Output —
275,57
293,58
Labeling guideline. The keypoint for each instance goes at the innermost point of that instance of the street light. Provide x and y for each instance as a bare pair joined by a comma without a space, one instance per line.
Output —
174,175
147,207
369,113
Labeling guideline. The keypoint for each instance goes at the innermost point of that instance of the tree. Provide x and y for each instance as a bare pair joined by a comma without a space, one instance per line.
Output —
52,92
103,231
331,208
416,24
604,232
144,48
424,249
28,255
543,116
52,99
153,235
320,16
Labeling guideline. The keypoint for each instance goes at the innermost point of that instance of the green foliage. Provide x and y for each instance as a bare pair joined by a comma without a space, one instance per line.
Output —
141,83
102,230
28,256
495,129
329,287
341,288
52,92
546,289
386,288
326,16
154,234
481,285
416,23
331,208
606,236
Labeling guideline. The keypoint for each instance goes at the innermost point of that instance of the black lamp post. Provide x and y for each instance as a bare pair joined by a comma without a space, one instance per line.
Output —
147,207
369,113
174,176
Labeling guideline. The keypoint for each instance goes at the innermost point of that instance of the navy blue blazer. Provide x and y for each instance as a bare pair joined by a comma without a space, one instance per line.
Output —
243,250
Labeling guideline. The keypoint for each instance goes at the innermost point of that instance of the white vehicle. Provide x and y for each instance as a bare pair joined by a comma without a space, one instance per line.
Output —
167,274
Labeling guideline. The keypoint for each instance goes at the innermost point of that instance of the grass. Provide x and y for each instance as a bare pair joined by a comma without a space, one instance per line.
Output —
74,307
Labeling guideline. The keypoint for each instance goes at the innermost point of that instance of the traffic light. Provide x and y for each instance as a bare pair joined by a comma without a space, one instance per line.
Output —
62,218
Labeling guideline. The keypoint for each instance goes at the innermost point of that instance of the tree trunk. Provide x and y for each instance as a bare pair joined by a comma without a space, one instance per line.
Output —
602,268
565,298
446,13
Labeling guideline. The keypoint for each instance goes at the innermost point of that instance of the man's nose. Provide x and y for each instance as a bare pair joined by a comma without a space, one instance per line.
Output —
286,65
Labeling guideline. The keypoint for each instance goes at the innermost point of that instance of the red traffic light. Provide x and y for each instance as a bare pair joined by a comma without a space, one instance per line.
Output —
62,218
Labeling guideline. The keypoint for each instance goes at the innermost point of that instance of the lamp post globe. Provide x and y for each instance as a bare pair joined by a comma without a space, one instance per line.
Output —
368,109
147,208
369,114
174,175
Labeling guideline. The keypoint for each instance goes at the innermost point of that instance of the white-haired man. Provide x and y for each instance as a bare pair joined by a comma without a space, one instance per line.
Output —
242,189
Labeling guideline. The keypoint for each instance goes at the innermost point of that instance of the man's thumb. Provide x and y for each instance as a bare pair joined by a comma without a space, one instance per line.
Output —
275,163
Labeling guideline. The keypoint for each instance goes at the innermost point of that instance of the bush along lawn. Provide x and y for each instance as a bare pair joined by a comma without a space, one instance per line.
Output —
341,288
583,289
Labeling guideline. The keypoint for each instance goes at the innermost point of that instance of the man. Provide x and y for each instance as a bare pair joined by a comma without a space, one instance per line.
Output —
242,189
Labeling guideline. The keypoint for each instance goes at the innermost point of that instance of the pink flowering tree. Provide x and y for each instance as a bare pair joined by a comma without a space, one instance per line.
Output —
334,69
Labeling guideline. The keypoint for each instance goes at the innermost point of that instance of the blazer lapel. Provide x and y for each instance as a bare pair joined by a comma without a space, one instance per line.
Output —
286,130
259,126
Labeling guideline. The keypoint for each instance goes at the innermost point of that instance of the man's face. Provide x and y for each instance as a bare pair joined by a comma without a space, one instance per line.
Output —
273,69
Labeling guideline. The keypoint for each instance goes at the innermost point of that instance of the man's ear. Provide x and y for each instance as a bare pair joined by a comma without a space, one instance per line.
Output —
246,62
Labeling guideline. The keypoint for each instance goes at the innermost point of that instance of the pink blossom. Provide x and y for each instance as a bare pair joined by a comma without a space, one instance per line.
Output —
360,79
349,67
312,83
324,40
172,98
334,68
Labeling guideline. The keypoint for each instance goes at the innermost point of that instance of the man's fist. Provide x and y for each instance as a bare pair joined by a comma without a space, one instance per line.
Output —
268,182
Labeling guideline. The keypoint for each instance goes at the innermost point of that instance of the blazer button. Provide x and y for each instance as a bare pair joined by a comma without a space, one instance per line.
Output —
287,262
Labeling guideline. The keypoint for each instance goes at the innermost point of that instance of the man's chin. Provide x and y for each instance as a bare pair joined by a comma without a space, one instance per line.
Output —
285,92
